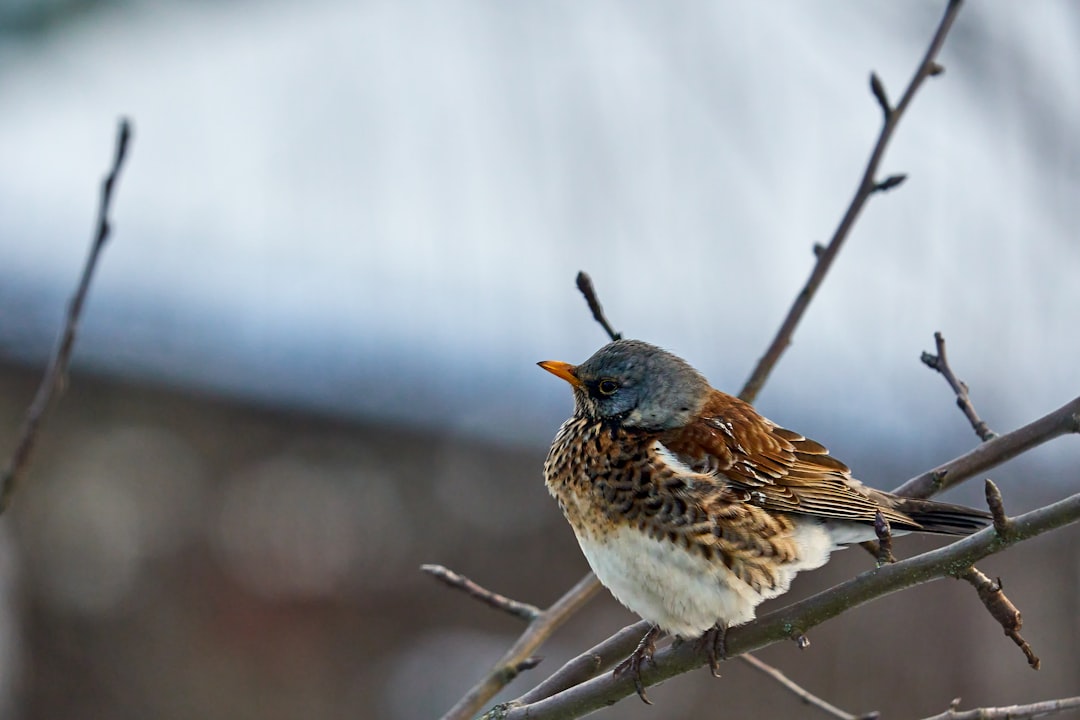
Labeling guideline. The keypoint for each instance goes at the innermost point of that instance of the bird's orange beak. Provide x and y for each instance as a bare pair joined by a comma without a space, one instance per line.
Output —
562,370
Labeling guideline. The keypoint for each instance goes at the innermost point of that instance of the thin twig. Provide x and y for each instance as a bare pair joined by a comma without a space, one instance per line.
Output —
868,185
997,509
56,370
584,284
1001,609
802,693
884,554
525,611
878,89
778,625
1012,712
940,362
507,668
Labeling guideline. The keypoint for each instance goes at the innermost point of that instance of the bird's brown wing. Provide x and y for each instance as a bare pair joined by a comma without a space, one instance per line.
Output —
775,468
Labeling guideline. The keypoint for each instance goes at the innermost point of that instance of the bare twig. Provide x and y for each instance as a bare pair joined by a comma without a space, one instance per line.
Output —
997,509
1001,609
802,693
868,185
511,663
878,89
1012,712
779,625
940,362
883,552
525,611
56,370
584,284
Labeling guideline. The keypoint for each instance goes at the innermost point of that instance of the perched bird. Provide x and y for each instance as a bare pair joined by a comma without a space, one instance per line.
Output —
692,508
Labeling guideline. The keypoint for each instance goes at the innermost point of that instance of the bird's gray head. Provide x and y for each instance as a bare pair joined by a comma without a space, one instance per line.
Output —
636,384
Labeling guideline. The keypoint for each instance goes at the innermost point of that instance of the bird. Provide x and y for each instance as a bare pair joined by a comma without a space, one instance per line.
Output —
692,508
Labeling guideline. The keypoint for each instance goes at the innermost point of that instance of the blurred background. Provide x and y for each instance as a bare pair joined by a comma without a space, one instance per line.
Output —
347,231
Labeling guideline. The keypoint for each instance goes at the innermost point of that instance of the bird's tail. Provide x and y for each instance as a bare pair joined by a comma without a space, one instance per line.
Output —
943,518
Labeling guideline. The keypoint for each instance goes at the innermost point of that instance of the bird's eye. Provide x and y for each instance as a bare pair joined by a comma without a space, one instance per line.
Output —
607,387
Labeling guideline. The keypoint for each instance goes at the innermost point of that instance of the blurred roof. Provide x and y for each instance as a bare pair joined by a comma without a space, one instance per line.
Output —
379,208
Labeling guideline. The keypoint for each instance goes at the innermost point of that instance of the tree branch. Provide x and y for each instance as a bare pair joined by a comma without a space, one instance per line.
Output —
802,693
1001,609
991,594
56,370
520,655
779,625
584,284
1064,420
586,665
525,611
940,362
1012,712
868,186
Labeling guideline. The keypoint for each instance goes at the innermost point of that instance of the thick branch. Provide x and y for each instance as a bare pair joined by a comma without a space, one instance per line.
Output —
782,624
868,186
55,371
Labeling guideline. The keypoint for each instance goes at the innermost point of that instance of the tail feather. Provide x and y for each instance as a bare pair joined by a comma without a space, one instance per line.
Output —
943,518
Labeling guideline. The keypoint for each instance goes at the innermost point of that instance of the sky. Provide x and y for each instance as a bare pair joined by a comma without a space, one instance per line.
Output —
377,209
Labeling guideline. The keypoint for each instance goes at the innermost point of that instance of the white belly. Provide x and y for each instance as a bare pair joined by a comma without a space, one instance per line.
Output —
682,592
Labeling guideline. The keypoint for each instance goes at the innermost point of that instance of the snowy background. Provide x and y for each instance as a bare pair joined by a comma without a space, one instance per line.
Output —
378,208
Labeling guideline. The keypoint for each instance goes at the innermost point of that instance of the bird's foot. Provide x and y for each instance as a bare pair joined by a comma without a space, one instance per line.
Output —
642,654
716,639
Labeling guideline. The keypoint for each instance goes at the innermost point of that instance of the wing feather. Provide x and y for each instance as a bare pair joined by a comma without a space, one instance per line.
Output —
779,469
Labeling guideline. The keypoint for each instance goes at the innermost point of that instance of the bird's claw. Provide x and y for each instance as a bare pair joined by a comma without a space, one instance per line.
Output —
716,638
641,655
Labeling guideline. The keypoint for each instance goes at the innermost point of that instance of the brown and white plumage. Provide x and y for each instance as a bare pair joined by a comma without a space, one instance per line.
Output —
690,506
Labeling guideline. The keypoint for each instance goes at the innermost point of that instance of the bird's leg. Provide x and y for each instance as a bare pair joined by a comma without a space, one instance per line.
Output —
642,654
716,638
